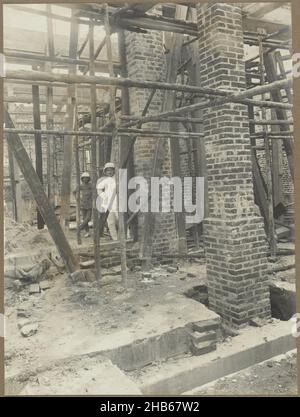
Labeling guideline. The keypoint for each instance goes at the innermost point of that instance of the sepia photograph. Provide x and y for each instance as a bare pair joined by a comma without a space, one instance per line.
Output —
149,200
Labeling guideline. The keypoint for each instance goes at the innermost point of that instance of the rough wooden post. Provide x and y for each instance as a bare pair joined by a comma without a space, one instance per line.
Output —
121,223
94,174
49,112
268,159
38,144
68,141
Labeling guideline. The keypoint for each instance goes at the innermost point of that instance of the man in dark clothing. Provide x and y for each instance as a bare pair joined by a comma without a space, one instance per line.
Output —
86,202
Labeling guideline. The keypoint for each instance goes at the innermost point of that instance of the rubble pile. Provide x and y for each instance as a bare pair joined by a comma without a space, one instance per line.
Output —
22,237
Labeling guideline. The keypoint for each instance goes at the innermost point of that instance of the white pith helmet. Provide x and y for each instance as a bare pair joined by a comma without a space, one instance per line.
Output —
109,165
85,175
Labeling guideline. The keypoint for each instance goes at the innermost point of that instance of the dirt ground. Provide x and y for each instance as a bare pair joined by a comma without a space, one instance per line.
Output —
67,311
277,376
83,310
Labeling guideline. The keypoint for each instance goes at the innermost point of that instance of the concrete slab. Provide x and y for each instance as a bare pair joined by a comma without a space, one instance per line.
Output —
161,332
97,376
252,346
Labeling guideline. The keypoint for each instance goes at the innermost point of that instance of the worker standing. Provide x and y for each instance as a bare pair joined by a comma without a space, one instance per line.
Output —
86,202
106,190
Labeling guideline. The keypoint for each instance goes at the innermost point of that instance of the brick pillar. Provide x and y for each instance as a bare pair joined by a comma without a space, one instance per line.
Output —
146,61
234,236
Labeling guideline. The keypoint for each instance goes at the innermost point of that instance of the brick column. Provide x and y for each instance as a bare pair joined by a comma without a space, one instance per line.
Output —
146,61
235,242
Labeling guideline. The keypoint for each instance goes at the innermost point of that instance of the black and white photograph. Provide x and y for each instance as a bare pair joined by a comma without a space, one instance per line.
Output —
149,200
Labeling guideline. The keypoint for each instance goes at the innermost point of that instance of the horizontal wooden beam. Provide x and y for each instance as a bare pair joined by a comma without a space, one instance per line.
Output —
146,21
242,97
168,119
122,132
126,82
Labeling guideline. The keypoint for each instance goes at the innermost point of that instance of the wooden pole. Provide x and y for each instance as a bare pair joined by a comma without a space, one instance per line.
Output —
241,97
280,113
34,183
49,112
173,60
167,119
38,145
15,207
121,218
271,223
125,132
77,171
276,165
128,145
68,141
94,173
271,122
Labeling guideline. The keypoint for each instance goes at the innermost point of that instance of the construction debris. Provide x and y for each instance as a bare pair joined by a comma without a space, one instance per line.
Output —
29,329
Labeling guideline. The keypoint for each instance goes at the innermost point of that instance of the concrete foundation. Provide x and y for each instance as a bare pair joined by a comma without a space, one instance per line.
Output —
252,346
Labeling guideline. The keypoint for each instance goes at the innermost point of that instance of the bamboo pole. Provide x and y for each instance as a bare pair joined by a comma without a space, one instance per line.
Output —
96,230
127,82
125,132
238,98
